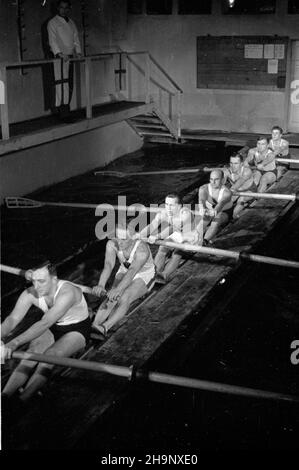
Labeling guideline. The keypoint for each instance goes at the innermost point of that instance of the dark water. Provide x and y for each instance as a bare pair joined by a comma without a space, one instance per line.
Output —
249,344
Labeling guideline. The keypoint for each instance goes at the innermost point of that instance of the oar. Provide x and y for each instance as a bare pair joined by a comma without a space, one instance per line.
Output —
145,173
156,377
286,197
229,254
16,202
22,272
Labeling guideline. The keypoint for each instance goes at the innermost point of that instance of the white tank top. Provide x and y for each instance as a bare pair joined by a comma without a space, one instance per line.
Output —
75,314
211,202
149,264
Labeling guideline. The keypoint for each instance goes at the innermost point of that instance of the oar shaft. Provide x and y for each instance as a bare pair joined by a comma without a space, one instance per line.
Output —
156,377
12,270
102,206
287,160
218,387
230,254
286,197
164,172
21,272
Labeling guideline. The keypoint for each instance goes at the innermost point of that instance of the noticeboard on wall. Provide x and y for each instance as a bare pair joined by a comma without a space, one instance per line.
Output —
242,62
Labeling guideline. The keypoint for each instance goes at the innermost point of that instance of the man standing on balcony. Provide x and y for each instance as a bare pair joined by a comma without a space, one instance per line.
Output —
64,43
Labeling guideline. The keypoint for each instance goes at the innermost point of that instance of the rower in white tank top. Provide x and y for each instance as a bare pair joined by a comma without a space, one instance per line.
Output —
75,314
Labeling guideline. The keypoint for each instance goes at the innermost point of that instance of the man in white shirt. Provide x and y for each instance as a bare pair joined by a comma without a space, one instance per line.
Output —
64,43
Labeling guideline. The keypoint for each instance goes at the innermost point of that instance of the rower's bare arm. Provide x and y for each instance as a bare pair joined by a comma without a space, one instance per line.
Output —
224,200
202,195
110,258
285,148
22,306
139,260
64,301
268,159
249,160
247,174
150,228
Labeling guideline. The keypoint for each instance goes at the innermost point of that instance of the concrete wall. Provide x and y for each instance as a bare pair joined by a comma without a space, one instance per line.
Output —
28,170
172,41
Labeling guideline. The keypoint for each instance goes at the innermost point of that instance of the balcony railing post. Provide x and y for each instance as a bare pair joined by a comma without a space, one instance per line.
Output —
88,88
147,77
179,114
4,103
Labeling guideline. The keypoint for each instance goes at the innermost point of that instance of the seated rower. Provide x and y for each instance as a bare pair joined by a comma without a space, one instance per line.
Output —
280,148
134,278
216,201
177,224
239,177
262,161
62,331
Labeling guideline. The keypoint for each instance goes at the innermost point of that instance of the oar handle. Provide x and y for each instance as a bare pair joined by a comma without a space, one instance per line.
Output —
22,272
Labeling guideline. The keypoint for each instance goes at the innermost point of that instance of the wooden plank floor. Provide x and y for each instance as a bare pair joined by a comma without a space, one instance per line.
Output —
75,401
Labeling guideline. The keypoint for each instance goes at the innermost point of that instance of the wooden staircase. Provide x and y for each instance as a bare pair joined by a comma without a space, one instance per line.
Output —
154,126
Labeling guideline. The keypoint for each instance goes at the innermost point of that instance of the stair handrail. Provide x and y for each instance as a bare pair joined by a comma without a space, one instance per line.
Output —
165,73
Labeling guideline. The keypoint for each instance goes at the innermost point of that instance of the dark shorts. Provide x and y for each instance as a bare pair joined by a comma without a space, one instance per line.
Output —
229,212
82,327
262,172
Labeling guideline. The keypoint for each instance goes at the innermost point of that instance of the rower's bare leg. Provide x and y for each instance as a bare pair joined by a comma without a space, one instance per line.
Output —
240,206
219,221
25,368
160,258
266,180
171,265
66,346
257,177
107,305
281,170
136,290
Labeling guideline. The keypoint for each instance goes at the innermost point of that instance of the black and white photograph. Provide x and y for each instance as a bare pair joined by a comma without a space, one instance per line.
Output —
149,190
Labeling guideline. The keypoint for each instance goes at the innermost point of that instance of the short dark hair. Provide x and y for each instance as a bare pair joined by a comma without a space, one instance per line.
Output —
277,128
237,155
262,137
175,196
63,1
47,264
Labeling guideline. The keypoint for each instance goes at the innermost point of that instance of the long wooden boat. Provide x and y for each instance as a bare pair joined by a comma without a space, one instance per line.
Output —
75,399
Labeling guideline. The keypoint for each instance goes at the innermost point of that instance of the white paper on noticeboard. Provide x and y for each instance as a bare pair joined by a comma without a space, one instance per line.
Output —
272,65
253,51
268,51
279,51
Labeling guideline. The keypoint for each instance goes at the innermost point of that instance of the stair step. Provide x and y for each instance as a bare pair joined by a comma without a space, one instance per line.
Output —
150,119
160,140
159,134
151,126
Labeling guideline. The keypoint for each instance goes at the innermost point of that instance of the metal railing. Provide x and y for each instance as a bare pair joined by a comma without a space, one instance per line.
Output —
146,71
